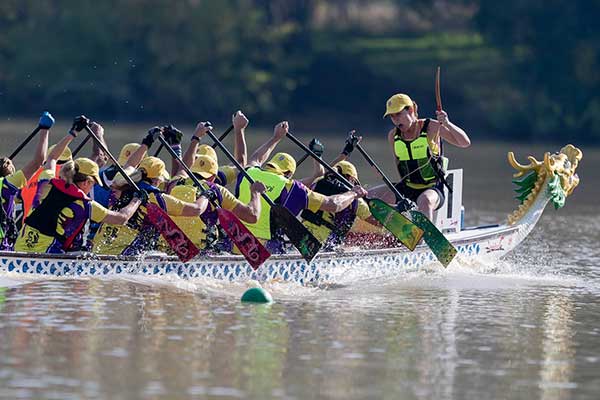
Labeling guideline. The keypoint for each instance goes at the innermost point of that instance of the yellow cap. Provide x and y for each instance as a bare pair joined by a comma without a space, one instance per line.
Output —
397,103
154,167
205,166
65,156
87,167
346,168
282,163
206,150
126,152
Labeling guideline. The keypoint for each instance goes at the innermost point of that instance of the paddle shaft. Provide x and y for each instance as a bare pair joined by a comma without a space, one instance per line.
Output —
385,178
78,148
214,145
163,142
24,143
238,165
113,159
438,96
320,160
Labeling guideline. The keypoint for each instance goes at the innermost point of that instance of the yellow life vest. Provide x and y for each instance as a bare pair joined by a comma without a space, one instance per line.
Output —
275,185
416,159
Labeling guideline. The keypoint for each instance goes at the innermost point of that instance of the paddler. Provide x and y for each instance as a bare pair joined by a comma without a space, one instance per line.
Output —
277,174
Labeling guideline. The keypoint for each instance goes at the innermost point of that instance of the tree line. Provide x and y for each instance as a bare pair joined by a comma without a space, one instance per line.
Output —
515,69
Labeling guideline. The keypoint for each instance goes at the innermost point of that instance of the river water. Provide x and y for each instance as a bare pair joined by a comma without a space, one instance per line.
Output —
526,327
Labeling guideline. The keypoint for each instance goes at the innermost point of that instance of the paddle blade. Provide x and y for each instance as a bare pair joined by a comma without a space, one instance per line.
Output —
437,242
246,242
183,247
298,234
401,227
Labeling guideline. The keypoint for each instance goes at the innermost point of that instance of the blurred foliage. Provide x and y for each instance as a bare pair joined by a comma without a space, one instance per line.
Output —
515,69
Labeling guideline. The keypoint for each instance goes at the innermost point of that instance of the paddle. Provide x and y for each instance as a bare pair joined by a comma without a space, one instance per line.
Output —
78,148
221,138
438,96
24,143
177,240
299,235
439,245
246,242
400,226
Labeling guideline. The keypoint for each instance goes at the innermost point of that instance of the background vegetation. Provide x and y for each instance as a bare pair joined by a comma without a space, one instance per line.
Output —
516,69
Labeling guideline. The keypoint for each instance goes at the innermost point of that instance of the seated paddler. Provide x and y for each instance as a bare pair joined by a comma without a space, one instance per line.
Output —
416,144
13,180
139,235
277,174
331,227
56,225
204,231
227,174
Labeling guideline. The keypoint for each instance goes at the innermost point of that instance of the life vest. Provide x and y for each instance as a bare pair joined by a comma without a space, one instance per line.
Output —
61,215
327,226
135,237
418,160
8,226
202,231
275,185
29,192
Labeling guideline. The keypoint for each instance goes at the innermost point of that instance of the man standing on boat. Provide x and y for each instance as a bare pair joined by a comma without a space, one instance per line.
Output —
417,148
277,174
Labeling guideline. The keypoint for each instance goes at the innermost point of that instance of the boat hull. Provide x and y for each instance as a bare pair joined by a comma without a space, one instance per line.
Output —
334,267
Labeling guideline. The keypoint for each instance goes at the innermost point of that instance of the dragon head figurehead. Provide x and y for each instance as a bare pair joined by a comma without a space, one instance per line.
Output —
556,174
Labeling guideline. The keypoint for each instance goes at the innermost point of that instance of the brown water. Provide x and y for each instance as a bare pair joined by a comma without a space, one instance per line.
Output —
525,327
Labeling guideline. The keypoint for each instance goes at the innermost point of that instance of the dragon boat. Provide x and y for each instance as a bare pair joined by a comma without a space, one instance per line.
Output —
537,184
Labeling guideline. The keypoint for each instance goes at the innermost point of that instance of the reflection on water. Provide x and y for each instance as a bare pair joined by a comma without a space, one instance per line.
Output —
525,327
118,339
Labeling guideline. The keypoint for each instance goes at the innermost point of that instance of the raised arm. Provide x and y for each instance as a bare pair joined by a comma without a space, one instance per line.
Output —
261,155
449,131
137,156
199,132
98,155
39,156
240,123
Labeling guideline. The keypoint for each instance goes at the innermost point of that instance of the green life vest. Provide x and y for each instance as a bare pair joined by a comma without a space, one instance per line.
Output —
275,185
415,162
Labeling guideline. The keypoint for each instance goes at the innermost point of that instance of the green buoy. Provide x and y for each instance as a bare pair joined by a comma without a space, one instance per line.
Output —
257,295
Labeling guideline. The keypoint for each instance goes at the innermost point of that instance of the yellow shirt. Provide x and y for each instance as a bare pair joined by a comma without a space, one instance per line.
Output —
31,240
194,227
115,239
17,179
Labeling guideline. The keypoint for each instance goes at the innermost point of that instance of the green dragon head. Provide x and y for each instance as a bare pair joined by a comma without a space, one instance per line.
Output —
558,168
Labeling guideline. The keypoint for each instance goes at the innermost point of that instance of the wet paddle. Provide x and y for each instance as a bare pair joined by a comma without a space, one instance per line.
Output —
437,242
183,247
246,242
298,234
397,224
